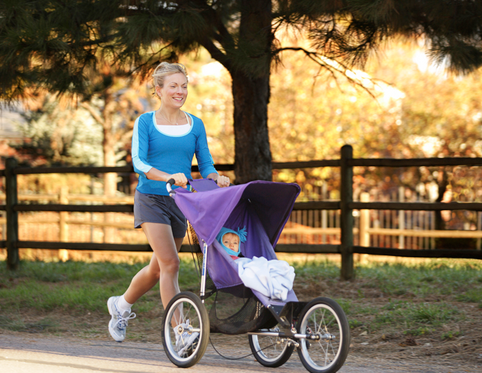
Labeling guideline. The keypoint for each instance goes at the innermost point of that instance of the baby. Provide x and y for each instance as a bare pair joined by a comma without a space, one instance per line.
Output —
230,240
271,278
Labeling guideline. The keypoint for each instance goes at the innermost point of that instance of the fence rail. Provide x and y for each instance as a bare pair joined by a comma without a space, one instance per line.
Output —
345,205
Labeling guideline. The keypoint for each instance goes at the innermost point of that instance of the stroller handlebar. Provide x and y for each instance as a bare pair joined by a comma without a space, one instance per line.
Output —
169,185
171,182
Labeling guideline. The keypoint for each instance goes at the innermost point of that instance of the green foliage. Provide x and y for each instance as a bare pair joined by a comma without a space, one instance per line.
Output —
452,334
64,38
355,323
47,43
59,135
473,294
418,332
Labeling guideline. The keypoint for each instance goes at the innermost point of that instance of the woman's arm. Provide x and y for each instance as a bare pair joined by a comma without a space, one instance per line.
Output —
140,140
155,174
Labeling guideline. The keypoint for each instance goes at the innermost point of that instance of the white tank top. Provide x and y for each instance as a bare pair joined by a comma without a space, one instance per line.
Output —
172,130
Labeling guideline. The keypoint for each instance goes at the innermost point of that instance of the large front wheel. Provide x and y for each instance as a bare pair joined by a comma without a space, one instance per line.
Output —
270,351
328,342
185,330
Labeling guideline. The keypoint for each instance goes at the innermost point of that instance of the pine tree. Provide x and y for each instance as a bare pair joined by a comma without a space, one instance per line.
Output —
58,134
51,43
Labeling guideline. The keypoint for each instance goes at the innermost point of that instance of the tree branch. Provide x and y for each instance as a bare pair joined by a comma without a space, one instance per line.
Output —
92,112
333,67
216,53
212,17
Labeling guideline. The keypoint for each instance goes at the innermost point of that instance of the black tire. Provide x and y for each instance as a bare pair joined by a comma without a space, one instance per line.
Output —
196,320
270,351
325,318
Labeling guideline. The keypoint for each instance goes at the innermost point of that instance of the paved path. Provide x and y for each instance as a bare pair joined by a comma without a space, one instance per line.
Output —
26,353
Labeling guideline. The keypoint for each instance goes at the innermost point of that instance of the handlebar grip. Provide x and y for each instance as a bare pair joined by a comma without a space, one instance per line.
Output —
169,185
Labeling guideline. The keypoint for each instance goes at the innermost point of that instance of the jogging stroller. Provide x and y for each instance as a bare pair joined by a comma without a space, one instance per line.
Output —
318,329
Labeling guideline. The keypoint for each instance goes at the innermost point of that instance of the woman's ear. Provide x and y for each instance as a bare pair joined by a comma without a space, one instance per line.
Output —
158,91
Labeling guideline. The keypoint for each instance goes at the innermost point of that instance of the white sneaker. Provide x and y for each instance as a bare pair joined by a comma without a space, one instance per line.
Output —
185,341
118,322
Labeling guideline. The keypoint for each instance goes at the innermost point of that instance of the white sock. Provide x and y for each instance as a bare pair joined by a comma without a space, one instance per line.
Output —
123,305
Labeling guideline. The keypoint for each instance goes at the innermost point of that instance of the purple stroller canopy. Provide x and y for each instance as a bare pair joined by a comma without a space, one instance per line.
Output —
212,207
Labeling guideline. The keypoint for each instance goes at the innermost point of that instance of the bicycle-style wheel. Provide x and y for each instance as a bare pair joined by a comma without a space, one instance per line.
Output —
270,351
324,319
185,330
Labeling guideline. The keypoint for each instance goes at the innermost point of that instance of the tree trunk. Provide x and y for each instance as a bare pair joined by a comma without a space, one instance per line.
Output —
442,188
251,93
252,159
110,188
110,178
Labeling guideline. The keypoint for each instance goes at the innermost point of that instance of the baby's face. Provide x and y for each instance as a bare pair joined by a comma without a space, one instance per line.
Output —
231,241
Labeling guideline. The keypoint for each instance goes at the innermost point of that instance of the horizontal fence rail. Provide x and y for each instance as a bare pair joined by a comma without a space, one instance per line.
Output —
416,206
346,206
414,162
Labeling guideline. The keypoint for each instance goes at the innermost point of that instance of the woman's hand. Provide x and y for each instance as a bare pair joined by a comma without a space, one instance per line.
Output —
179,178
223,181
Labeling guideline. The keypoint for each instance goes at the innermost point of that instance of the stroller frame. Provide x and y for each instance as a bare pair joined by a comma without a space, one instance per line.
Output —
318,329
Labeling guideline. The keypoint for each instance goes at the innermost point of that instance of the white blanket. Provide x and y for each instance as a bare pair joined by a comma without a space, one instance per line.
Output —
272,278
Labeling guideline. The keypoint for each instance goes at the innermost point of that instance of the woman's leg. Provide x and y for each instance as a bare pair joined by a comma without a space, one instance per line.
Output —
163,267
143,281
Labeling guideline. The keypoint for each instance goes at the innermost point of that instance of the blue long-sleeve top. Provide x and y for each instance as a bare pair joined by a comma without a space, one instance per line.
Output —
170,154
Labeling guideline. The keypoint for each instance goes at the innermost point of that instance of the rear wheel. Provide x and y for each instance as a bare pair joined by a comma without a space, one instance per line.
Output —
270,351
185,315
324,320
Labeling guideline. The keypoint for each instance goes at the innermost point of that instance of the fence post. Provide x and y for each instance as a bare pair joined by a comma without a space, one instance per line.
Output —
364,222
324,213
63,227
401,218
12,215
346,218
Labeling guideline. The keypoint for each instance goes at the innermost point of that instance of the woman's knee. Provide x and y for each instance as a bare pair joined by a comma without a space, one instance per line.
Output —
170,265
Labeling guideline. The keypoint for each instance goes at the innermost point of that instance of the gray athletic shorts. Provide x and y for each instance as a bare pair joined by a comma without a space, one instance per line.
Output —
153,208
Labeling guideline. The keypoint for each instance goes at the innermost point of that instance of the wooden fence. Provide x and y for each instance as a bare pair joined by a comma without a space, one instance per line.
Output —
346,207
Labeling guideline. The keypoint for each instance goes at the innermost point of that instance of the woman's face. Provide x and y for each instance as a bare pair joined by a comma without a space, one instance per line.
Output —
174,92
231,241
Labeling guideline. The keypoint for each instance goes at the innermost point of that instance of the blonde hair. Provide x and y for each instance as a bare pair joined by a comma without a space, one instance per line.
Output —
165,69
